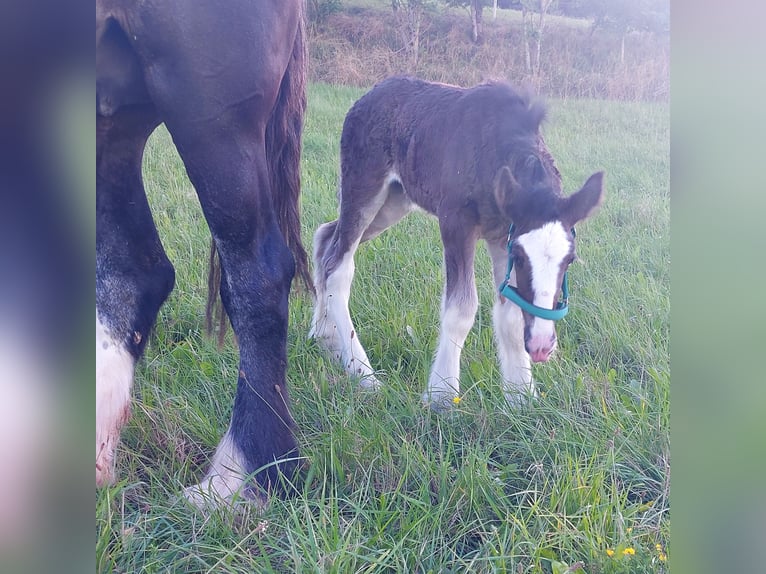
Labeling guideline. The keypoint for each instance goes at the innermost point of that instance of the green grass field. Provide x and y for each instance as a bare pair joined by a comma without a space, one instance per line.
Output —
580,476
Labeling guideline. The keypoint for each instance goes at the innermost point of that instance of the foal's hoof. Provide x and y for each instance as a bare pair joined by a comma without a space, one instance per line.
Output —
370,382
520,398
440,401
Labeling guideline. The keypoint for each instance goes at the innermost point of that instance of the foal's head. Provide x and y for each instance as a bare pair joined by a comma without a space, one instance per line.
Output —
542,243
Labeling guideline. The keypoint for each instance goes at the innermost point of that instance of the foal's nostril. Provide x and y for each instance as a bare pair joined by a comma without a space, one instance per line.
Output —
540,355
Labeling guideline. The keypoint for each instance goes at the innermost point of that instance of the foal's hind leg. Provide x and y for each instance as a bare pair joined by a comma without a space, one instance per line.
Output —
459,305
334,246
133,274
508,323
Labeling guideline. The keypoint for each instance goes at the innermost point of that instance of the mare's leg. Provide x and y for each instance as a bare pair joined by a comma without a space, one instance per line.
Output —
508,323
364,215
458,309
215,75
228,168
133,274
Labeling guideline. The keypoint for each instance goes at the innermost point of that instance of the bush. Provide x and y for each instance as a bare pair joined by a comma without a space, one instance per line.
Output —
365,46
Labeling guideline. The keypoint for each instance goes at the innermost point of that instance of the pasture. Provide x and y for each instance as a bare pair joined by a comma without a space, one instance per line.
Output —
579,476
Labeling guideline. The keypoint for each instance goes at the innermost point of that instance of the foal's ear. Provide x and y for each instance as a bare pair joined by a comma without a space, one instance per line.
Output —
586,201
506,190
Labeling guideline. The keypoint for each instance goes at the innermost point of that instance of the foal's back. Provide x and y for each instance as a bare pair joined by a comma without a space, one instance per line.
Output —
439,141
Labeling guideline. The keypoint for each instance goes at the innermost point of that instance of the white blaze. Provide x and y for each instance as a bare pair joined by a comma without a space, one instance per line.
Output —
546,248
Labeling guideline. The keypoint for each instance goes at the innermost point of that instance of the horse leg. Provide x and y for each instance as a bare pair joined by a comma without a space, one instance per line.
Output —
227,165
508,324
133,274
394,208
458,310
334,246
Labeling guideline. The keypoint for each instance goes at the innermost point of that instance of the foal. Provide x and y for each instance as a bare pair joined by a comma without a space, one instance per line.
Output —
475,159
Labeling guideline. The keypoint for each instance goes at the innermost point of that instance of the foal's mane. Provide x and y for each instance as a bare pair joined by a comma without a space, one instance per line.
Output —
527,155
534,168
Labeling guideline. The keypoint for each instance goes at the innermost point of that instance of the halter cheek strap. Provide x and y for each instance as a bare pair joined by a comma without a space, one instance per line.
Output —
512,294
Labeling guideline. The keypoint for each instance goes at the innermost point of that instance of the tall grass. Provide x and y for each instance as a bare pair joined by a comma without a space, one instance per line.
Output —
361,46
391,486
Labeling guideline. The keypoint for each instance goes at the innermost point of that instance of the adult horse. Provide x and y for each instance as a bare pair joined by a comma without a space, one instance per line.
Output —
475,159
228,81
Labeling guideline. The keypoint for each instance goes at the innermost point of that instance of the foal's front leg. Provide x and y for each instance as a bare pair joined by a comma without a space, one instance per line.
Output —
508,324
458,310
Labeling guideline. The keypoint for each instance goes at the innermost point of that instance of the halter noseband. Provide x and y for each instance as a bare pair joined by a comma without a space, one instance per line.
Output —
512,294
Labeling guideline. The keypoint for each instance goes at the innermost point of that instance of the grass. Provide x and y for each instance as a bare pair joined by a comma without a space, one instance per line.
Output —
391,486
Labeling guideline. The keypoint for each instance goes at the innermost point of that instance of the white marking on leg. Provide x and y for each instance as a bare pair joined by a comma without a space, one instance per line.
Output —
223,481
114,379
331,324
444,380
515,366
508,327
337,330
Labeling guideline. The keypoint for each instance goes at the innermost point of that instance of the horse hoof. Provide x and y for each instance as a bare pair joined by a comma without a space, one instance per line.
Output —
104,474
213,493
518,399
370,383
105,463
439,401
225,481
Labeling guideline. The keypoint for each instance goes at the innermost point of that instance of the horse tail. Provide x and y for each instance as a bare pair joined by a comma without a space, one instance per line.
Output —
283,151
214,311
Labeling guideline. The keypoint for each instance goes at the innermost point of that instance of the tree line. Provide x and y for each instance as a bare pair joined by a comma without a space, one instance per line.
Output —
616,16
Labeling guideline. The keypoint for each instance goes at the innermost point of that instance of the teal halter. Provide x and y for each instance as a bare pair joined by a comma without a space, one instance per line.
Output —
511,293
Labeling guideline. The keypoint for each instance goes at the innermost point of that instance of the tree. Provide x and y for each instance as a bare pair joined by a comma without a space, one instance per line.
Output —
533,13
476,9
628,15
409,14
318,10
623,16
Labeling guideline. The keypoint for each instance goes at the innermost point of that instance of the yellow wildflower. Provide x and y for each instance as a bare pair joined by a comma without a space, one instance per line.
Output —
663,557
629,551
609,552
456,400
